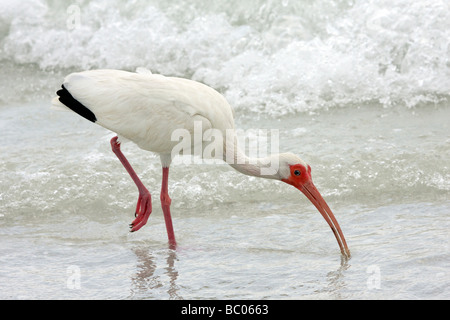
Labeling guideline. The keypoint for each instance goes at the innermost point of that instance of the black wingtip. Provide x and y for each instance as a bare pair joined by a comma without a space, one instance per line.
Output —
69,101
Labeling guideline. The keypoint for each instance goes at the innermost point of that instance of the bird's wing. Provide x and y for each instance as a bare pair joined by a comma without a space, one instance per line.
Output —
147,108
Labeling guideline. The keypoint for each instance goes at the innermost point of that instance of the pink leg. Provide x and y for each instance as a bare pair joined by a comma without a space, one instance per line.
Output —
144,204
165,204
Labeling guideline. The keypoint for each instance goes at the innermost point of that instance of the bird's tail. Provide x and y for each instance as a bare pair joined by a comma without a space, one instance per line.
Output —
57,105
66,101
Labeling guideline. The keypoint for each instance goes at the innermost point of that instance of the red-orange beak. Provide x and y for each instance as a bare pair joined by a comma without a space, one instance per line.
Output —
311,192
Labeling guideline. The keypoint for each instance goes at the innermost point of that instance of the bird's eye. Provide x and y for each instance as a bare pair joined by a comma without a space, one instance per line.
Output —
297,172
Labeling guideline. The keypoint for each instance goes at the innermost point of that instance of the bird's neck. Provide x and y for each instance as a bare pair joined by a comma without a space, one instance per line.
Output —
264,167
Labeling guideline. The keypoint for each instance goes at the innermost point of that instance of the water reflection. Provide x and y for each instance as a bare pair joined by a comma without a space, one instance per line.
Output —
148,277
336,279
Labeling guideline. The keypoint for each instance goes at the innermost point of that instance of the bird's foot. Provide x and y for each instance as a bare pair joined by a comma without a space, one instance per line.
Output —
143,211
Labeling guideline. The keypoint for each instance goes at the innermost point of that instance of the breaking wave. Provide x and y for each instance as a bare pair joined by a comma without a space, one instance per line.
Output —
277,57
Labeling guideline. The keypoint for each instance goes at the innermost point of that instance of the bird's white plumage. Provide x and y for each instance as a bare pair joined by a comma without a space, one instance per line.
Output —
146,108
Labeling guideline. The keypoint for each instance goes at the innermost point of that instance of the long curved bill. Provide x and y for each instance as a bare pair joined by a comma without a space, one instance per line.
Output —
311,192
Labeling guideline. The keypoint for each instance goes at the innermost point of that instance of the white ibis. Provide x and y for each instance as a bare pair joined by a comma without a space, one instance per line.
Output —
146,108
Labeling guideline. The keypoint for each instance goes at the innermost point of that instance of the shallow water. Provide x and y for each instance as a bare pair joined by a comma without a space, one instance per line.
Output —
67,202
376,136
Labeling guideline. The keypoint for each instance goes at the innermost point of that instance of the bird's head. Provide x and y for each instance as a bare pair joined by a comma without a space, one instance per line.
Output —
296,172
